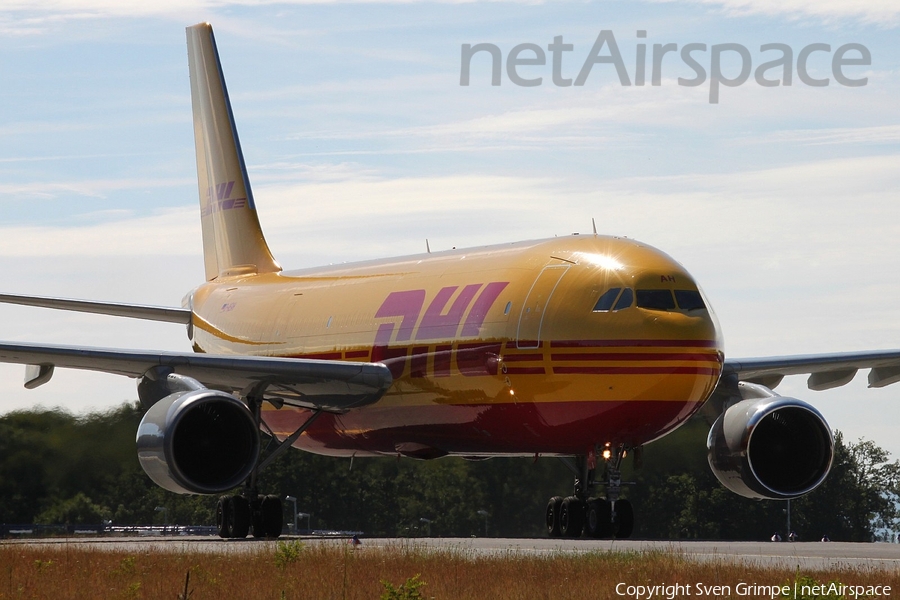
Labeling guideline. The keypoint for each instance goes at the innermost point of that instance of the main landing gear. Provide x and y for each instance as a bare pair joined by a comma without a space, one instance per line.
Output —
595,517
250,512
262,517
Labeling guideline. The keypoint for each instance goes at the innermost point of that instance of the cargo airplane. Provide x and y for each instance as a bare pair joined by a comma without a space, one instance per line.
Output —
583,348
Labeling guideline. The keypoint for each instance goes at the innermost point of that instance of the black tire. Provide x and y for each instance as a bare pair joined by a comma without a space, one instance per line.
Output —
257,524
624,519
240,517
571,517
224,510
598,518
552,521
272,515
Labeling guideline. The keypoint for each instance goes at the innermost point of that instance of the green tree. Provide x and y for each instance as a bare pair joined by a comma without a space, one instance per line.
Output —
679,497
78,509
56,467
858,498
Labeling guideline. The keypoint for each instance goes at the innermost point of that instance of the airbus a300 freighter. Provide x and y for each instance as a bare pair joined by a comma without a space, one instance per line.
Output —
583,347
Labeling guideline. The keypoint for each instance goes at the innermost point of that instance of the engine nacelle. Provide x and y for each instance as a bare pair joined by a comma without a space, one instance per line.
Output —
772,447
198,441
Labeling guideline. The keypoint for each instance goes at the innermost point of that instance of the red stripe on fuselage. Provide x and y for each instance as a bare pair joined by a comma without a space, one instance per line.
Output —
525,370
635,343
635,371
522,357
635,356
480,358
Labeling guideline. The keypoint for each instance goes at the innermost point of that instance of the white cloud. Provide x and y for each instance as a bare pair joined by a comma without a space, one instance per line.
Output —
96,188
45,14
169,232
881,134
831,198
879,12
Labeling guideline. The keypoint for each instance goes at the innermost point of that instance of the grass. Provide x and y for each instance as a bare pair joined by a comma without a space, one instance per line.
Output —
314,570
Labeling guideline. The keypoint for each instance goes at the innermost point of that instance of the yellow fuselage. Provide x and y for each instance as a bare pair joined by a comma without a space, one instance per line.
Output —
495,351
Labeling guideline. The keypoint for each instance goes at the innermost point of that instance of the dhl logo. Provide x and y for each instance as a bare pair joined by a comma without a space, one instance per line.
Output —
437,323
218,198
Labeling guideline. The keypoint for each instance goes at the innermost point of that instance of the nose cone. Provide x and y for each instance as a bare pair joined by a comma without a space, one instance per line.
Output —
622,289
633,335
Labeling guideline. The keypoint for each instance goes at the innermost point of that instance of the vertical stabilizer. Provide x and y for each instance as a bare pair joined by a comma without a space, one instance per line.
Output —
233,241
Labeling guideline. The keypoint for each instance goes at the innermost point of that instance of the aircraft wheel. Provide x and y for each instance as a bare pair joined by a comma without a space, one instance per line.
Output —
571,517
224,511
240,517
257,525
624,519
271,515
598,518
553,516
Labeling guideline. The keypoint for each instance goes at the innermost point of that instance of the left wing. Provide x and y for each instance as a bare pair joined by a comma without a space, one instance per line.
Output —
332,386
825,371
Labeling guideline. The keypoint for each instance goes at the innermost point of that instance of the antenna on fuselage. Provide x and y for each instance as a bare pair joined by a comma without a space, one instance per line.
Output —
427,247
594,224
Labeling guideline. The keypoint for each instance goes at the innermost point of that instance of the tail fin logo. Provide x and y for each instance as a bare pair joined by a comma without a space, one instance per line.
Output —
219,198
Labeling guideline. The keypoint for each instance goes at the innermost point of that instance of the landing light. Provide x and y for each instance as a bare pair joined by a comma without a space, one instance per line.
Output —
607,453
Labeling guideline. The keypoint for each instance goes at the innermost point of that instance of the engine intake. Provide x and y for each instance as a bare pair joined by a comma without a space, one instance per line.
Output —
198,441
770,447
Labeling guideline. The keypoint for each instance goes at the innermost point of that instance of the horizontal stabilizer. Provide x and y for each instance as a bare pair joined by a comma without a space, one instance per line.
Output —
135,311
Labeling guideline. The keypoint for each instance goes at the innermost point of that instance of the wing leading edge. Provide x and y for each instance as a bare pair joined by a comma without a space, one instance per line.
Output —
826,371
332,386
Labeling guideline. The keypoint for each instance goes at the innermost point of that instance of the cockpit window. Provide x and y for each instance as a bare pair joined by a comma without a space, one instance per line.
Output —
655,299
625,299
607,299
689,299
608,302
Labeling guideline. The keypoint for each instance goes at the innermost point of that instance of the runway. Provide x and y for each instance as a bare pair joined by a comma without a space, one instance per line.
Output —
806,555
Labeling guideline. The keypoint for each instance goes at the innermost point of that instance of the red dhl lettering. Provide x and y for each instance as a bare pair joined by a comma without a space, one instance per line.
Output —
438,322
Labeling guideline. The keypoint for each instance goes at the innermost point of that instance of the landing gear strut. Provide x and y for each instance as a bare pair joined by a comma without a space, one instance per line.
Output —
611,516
250,512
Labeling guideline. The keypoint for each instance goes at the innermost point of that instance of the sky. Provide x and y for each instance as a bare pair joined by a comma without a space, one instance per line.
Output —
361,142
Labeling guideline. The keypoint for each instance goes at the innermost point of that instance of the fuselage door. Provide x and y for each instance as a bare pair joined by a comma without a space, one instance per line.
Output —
531,318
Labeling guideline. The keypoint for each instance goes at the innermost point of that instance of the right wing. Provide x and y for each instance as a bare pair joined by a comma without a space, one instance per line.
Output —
332,386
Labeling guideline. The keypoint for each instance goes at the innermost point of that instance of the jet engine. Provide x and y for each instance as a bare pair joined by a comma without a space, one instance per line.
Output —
770,446
198,441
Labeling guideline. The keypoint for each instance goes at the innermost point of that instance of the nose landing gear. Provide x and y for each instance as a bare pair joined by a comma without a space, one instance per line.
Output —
611,516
